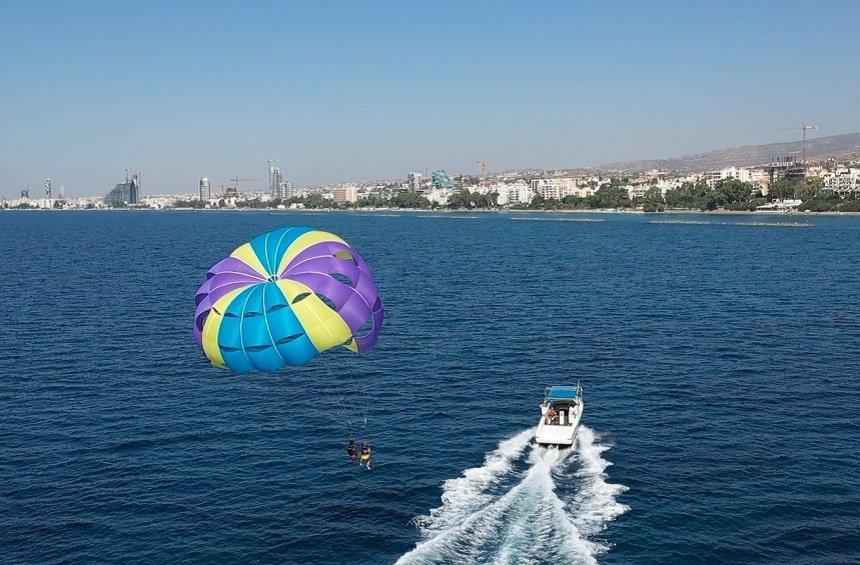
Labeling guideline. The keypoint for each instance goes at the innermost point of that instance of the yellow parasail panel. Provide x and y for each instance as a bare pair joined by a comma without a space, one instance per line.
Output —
324,326
303,242
213,324
245,253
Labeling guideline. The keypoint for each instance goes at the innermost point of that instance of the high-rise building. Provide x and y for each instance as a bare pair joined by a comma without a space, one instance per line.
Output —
413,181
62,194
205,190
285,190
125,193
47,188
275,181
441,179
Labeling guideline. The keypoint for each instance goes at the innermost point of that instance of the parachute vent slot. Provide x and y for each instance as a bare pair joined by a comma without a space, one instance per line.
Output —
275,308
327,301
345,256
365,328
230,315
217,311
288,339
301,297
251,314
227,349
257,348
340,277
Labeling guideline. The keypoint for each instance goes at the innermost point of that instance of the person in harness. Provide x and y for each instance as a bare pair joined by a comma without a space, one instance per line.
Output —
366,455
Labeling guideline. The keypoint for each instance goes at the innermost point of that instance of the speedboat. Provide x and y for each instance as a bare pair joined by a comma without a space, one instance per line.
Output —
560,412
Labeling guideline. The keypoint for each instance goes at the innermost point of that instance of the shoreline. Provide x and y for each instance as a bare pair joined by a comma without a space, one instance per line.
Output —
382,211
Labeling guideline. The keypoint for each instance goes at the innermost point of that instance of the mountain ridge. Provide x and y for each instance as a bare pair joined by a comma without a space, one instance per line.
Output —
828,147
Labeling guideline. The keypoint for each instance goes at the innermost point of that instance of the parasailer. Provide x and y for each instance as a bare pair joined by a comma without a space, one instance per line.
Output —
352,449
285,297
282,299
366,455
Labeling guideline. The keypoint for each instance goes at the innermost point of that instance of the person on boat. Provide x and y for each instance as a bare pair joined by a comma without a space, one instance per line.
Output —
352,449
551,415
366,455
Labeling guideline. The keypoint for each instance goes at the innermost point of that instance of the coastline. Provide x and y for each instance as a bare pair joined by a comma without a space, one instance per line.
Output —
383,211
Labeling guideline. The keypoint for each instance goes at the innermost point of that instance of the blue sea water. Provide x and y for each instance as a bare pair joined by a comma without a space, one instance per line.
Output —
720,362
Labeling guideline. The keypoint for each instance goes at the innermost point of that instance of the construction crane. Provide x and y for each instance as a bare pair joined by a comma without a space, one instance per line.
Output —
485,170
803,128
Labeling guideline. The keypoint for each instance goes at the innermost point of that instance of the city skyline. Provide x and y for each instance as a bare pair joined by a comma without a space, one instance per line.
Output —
341,93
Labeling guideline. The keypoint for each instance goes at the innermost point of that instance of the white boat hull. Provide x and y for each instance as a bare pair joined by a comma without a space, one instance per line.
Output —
562,432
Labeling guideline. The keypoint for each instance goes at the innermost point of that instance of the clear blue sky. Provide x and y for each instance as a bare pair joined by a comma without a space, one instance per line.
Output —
354,91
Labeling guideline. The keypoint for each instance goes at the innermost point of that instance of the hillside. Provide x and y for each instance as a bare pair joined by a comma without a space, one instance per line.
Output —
818,148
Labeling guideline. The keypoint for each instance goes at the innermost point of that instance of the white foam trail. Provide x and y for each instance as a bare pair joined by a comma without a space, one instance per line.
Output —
595,502
528,523
464,495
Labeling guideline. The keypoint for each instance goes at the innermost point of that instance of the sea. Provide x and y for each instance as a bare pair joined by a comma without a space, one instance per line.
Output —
719,357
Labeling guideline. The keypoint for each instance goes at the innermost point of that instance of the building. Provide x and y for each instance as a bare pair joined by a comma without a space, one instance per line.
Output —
749,175
413,182
125,193
441,179
784,168
275,181
635,191
557,189
205,190
439,196
345,194
285,190
844,181
513,193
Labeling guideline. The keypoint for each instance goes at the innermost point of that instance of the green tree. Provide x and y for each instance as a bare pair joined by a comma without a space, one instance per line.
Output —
808,188
316,201
460,199
733,191
613,196
782,189
409,200
653,200
538,202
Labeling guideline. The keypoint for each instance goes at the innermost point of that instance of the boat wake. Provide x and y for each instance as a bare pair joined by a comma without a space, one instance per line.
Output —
510,511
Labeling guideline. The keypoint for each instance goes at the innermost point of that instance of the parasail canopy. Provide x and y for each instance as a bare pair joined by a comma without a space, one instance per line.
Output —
285,297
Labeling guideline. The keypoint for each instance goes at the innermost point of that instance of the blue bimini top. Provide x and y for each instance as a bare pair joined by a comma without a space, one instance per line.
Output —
562,393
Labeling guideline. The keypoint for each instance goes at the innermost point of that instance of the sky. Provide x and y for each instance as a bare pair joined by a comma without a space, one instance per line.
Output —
373,90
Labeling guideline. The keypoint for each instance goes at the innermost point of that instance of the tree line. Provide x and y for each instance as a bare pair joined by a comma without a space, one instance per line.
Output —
728,194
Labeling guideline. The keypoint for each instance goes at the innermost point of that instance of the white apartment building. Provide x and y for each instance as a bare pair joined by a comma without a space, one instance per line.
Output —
844,181
635,191
561,187
285,189
743,174
513,193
